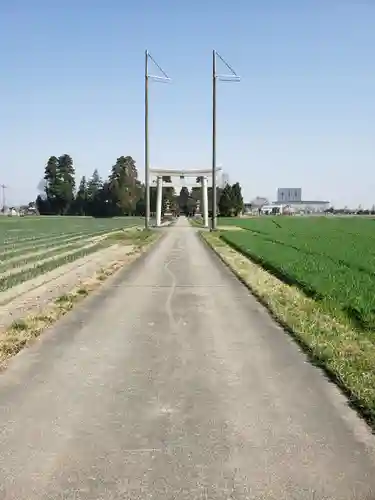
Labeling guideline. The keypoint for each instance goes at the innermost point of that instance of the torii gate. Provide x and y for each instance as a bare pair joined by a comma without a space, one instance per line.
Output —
203,174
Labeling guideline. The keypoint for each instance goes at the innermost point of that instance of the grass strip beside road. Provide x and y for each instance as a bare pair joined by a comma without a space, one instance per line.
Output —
346,354
195,222
23,332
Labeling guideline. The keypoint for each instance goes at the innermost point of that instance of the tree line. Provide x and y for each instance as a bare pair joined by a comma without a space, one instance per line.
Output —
121,193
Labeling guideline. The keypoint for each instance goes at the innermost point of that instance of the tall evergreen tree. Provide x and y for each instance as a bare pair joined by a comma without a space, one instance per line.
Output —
237,199
226,201
80,205
66,174
94,184
209,196
51,186
93,191
183,200
125,188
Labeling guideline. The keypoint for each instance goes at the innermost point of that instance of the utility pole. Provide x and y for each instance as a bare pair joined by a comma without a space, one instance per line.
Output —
165,78
3,187
232,77
214,192
147,165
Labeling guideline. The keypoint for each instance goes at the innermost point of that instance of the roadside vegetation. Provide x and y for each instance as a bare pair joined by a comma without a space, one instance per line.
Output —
317,277
26,328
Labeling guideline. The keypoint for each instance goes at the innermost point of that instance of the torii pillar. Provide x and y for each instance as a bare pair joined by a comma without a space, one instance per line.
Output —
159,199
205,201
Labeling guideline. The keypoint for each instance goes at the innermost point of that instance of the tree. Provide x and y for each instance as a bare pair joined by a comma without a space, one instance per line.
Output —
226,201
94,187
196,193
121,193
59,185
183,200
169,199
43,205
191,206
209,196
237,199
80,204
125,188
65,183
140,207
51,187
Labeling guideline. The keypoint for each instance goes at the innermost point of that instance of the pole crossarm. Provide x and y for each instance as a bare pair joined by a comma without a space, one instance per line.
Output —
232,77
165,77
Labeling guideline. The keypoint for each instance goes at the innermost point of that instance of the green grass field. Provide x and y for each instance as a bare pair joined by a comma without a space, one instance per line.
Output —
30,246
330,259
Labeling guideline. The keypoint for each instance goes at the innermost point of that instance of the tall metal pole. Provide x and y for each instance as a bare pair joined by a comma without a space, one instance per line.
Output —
163,78
214,201
232,77
147,166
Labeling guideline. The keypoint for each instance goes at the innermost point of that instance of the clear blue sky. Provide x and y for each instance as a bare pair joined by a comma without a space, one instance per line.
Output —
303,114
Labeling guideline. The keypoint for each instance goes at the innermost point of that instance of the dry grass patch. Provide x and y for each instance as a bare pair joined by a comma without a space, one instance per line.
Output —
231,228
347,354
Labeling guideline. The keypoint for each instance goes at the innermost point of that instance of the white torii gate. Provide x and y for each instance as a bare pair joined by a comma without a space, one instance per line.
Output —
203,174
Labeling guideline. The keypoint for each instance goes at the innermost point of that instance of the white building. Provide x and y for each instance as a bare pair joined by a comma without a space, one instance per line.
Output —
273,209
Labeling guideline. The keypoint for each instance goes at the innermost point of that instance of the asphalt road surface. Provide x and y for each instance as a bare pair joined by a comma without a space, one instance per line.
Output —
170,383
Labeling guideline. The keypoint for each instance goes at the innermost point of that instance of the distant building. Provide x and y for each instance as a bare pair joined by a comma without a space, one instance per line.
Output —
286,195
259,201
290,199
271,209
255,205
224,180
12,212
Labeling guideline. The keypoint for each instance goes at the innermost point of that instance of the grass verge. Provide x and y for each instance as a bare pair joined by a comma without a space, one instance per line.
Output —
346,354
22,332
196,222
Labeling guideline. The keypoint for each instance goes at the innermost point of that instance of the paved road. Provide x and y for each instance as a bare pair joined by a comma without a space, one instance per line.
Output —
173,383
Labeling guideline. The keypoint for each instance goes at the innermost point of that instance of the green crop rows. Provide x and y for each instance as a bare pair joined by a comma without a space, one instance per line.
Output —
32,246
330,259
